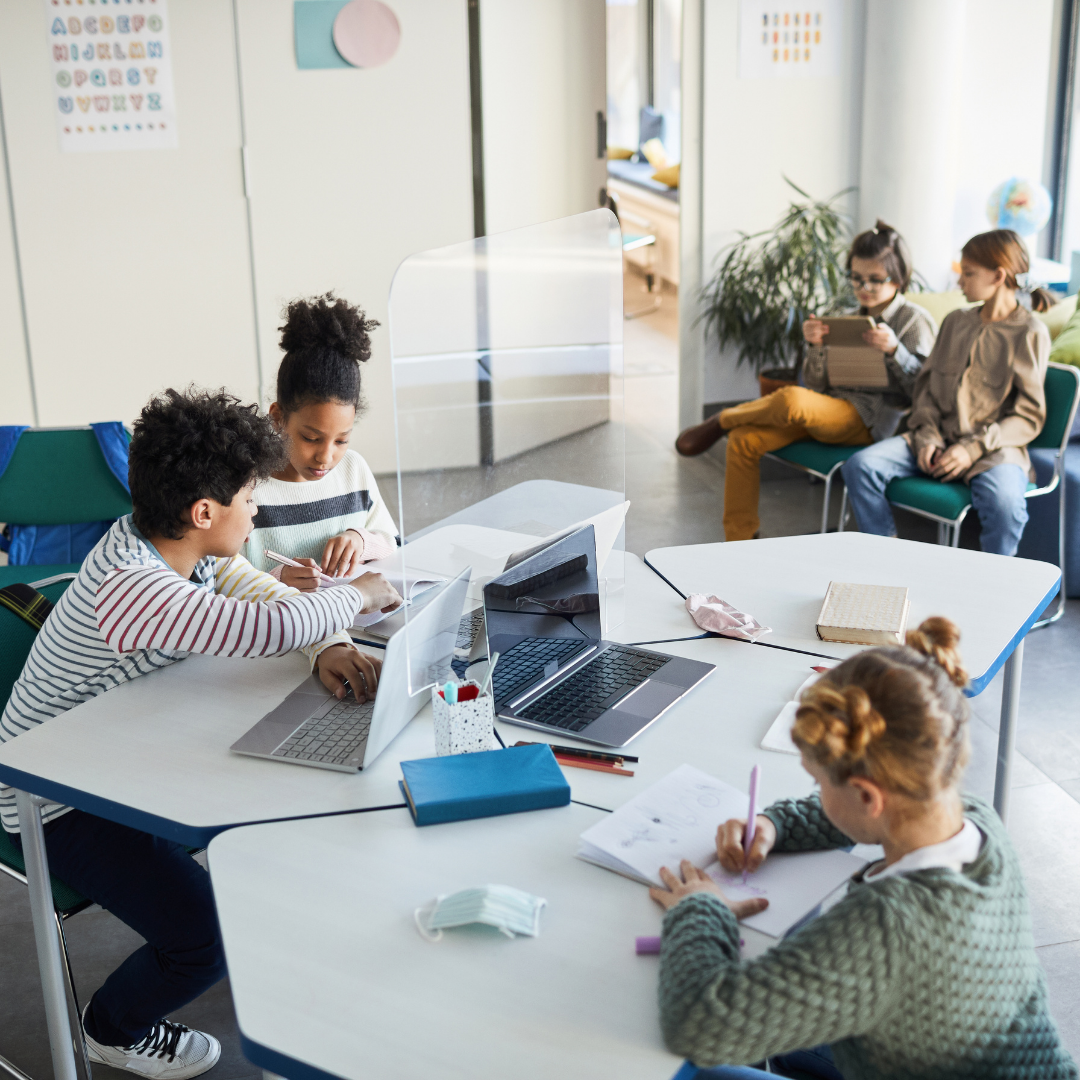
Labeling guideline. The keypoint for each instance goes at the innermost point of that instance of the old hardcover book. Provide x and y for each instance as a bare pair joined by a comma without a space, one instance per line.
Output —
864,614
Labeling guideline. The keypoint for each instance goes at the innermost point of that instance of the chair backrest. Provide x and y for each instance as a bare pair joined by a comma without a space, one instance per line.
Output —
1062,388
17,639
58,476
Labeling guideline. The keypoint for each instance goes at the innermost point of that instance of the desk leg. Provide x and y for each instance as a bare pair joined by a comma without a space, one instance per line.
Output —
1010,713
50,960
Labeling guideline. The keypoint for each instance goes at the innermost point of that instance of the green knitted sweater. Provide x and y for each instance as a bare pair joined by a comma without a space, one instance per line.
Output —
922,975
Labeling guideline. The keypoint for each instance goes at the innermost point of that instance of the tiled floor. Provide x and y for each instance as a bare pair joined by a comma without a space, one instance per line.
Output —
678,501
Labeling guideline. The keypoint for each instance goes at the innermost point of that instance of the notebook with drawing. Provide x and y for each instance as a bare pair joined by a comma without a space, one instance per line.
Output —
850,362
677,819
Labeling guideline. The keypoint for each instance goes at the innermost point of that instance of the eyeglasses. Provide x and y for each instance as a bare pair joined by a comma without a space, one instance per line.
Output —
869,284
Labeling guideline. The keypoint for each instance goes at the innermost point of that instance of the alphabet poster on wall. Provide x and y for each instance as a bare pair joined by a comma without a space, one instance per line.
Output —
112,74
781,41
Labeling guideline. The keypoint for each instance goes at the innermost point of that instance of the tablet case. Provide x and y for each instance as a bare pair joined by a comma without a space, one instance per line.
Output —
849,360
463,786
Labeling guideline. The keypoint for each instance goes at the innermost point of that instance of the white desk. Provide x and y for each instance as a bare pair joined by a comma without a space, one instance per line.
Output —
782,582
331,978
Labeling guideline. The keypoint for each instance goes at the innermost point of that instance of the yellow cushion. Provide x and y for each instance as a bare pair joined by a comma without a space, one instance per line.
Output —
655,154
1066,347
1058,316
619,153
939,304
669,176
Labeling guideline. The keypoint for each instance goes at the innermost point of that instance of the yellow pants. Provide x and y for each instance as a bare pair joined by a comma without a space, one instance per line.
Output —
769,423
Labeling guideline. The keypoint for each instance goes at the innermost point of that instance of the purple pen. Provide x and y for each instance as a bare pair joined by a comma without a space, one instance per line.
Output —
751,815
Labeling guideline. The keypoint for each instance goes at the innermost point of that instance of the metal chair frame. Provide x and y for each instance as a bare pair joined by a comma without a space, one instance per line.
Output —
827,478
948,530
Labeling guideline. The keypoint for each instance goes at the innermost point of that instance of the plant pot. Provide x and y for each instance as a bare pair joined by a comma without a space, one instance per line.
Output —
776,379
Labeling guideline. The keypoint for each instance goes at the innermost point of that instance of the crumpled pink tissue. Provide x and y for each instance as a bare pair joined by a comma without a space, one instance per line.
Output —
712,613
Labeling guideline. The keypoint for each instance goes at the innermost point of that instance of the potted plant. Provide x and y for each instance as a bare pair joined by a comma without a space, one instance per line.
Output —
769,282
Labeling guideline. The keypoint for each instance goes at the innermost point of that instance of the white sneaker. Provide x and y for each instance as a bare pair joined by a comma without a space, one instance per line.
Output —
170,1050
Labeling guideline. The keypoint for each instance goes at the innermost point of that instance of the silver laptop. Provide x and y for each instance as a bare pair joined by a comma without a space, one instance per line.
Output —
555,672
312,727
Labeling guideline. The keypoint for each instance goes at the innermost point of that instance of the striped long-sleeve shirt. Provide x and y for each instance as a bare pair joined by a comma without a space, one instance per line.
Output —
128,614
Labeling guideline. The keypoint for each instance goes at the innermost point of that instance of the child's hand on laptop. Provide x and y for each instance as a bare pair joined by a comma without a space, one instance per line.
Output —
378,593
342,666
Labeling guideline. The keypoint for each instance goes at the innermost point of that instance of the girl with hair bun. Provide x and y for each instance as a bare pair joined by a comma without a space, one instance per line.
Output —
879,268
925,966
324,508
978,402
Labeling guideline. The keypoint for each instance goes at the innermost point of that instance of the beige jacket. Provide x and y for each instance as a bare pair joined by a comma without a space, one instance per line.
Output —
982,385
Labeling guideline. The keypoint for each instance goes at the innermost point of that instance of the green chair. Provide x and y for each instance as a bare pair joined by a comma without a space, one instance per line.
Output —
58,476
821,460
948,503
16,640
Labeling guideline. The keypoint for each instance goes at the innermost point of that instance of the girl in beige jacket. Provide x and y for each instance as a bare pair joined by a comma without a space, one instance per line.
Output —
977,403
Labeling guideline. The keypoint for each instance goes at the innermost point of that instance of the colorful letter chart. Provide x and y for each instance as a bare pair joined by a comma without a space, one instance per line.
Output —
112,74
779,41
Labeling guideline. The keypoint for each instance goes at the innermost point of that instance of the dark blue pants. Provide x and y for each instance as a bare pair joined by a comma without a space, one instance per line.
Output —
159,890
815,1064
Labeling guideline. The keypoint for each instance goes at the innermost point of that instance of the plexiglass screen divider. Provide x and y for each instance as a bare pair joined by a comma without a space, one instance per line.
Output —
508,389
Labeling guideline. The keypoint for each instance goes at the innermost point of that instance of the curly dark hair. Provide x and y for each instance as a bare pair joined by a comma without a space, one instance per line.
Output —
198,444
325,340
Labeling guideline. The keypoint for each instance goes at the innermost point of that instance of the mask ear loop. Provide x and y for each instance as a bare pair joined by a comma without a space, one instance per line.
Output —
424,931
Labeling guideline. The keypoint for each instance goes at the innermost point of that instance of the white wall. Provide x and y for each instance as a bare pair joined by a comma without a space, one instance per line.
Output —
542,63
755,131
351,171
16,405
1006,100
134,263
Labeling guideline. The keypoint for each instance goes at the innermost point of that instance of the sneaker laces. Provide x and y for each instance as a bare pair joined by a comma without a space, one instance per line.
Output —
161,1040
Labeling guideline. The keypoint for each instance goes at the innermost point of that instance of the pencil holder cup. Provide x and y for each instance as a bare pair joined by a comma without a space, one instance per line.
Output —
468,726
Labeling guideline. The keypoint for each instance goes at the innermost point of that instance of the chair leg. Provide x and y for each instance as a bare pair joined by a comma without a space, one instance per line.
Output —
82,1060
825,504
1061,562
843,509
12,1071
956,533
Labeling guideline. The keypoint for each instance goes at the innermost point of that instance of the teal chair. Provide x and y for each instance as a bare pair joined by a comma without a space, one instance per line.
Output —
822,460
16,640
948,503
58,476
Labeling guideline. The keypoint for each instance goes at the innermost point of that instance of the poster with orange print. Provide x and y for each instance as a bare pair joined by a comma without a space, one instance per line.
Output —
781,41
111,74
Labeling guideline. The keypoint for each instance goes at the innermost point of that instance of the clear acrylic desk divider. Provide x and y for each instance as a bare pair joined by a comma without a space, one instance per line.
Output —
508,392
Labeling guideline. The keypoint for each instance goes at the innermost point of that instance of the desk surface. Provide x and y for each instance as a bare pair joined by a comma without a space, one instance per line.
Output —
330,975
782,583
104,756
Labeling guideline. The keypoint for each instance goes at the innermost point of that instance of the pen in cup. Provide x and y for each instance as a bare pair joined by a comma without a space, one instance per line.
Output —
751,816
286,561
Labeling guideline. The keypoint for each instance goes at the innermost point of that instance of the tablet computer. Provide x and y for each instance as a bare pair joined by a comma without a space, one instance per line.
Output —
850,362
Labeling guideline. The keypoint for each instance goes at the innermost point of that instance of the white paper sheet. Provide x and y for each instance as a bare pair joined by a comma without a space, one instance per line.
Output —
677,819
778,737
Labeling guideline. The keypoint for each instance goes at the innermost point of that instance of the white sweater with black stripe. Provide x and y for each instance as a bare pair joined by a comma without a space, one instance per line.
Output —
128,613
297,519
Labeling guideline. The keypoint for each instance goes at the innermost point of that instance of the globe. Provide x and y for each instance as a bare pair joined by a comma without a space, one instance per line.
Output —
1019,204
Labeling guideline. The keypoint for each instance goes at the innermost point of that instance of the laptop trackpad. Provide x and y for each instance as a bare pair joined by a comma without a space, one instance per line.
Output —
650,699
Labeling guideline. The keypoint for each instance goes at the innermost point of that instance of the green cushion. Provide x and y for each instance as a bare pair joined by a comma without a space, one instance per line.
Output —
819,457
1066,347
947,501
60,478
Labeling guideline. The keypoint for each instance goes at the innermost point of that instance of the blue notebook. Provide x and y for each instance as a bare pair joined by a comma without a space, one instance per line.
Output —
463,786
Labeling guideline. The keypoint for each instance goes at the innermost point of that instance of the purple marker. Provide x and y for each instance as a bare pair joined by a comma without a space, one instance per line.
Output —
751,815
647,946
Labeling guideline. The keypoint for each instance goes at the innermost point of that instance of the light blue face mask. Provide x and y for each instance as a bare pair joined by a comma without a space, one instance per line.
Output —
509,910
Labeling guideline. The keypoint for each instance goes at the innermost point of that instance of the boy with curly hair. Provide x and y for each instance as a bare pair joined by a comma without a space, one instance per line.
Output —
162,583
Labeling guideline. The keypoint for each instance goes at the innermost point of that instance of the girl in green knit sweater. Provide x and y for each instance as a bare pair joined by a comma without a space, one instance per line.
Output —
926,967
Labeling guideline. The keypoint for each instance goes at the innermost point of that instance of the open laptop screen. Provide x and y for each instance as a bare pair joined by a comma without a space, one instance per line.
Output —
551,594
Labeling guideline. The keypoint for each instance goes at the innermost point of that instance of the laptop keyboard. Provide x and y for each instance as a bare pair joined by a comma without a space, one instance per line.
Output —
519,667
580,699
333,738
472,623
